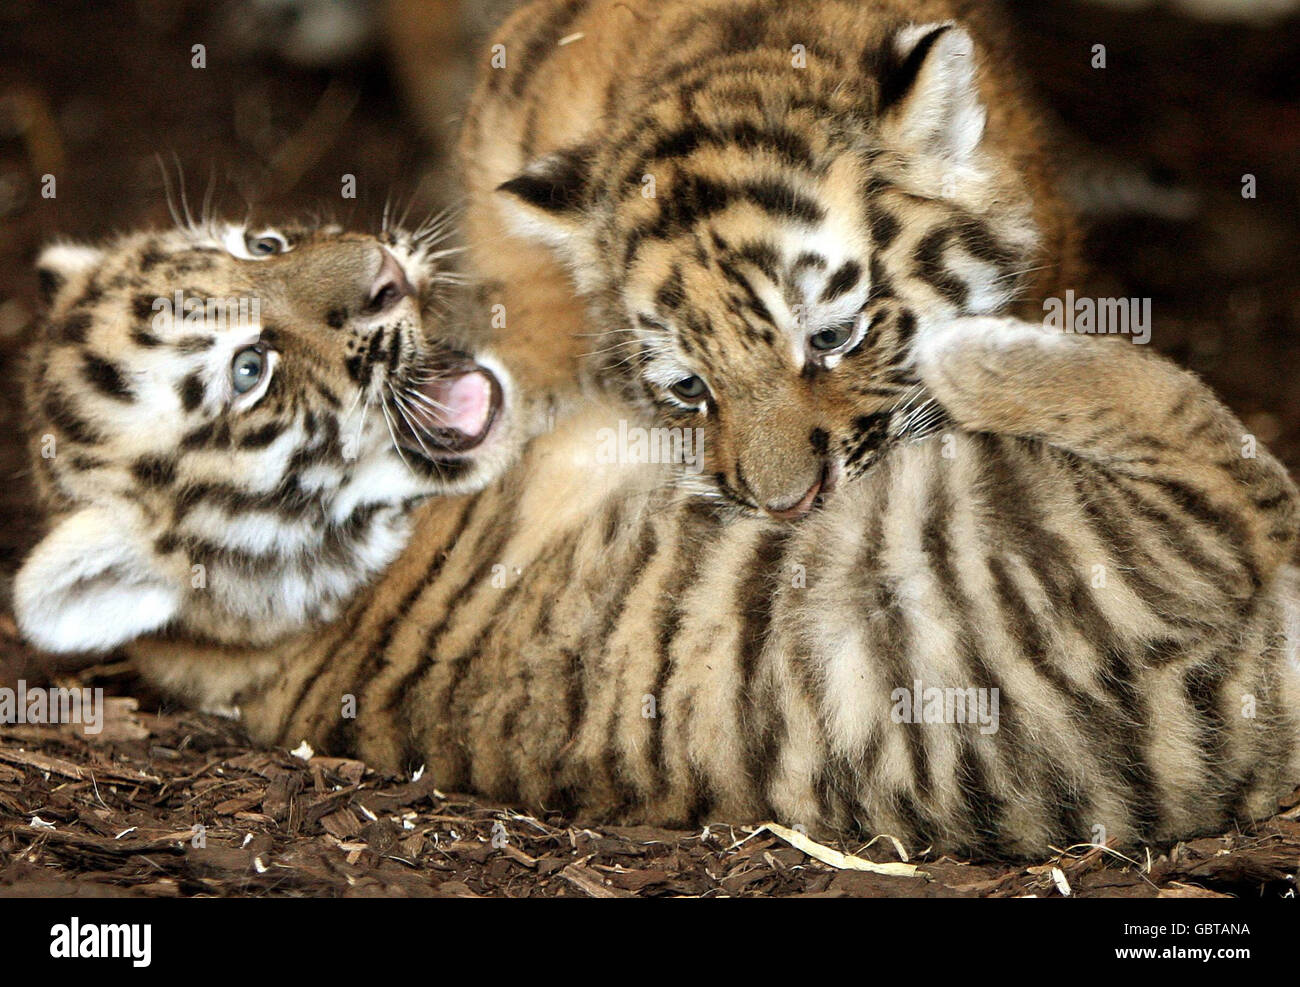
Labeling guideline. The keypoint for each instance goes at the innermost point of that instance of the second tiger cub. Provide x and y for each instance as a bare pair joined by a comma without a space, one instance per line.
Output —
747,195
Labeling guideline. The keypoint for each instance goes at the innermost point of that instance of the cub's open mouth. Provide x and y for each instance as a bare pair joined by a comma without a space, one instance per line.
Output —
450,410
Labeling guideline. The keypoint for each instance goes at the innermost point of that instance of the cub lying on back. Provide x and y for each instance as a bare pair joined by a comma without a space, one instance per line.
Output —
1066,616
230,426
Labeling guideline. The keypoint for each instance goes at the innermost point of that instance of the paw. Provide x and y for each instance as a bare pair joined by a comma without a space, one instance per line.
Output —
938,339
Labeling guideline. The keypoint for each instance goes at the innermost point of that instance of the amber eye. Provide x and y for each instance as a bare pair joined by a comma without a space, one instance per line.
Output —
265,244
690,388
831,338
247,368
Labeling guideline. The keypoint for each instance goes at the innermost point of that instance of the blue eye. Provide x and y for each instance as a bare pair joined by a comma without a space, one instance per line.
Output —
831,338
247,368
690,388
265,244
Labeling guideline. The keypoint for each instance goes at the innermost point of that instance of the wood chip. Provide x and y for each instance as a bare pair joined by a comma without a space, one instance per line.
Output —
590,883
68,769
834,858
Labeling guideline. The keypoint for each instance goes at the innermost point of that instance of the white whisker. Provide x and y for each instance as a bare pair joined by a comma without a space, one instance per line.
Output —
392,434
425,400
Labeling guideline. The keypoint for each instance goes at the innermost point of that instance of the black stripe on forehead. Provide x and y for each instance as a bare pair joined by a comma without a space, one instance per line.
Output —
671,293
190,345
808,260
699,325
751,300
844,280
763,255
697,198
881,285
884,226
787,145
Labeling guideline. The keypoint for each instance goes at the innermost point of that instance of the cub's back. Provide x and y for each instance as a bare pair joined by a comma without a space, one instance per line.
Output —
619,650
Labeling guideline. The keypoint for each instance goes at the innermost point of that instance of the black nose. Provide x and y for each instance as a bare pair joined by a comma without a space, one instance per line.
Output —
389,286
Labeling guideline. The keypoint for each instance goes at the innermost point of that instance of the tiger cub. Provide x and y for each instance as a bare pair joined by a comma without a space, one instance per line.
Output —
230,427
730,184
1064,617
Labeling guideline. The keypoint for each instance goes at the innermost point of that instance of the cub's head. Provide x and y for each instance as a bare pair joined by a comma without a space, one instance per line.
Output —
229,427
761,242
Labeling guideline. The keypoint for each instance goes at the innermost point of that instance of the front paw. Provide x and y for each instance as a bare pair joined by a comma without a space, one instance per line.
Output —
938,340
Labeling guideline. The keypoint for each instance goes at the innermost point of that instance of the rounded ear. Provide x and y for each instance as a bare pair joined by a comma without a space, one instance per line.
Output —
60,263
929,93
91,585
547,201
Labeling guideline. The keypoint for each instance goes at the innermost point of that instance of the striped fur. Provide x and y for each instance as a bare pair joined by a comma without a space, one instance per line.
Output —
762,198
177,502
1086,537
1080,528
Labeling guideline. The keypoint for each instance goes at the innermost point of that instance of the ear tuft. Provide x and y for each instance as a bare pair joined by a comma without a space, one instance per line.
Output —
59,263
929,93
91,585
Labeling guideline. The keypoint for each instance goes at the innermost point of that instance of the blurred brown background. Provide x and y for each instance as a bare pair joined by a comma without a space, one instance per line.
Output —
296,93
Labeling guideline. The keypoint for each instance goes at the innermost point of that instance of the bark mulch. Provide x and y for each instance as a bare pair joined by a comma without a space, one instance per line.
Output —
176,804
1200,105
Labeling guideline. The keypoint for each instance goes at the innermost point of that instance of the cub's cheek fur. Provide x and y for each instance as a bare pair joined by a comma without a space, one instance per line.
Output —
92,585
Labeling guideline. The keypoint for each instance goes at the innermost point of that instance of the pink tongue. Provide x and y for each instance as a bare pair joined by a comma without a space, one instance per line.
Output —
468,404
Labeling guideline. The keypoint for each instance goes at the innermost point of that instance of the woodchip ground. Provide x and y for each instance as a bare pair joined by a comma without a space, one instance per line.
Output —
92,92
